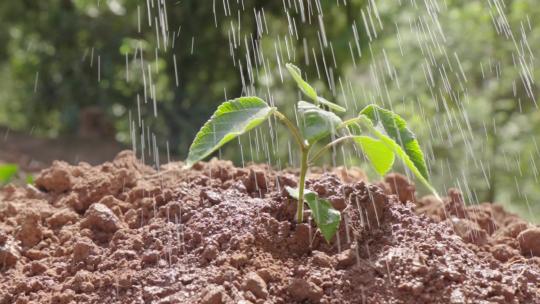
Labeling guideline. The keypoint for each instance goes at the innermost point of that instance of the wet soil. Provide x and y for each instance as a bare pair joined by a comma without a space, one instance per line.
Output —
122,232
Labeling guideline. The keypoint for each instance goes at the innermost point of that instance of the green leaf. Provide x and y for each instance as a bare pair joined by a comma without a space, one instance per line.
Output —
331,105
7,172
316,123
231,119
399,152
396,128
310,92
378,153
296,74
30,179
325,216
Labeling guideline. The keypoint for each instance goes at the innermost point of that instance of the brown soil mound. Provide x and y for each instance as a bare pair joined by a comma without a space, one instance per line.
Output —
124,233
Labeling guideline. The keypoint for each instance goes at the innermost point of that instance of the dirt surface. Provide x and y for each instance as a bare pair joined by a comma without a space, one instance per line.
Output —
124,233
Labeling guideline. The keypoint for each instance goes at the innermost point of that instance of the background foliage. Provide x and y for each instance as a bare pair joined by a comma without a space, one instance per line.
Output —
462,72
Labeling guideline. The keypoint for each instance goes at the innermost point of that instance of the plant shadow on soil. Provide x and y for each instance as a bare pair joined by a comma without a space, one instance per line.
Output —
122,232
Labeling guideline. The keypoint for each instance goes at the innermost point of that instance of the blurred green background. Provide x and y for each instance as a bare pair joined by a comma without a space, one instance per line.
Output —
462,72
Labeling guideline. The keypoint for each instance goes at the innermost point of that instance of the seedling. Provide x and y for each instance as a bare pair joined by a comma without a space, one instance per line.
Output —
389,138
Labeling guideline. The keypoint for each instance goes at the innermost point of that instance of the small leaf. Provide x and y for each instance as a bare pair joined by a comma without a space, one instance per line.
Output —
231,119
30,179
325,216
331,105
7,172
378,153
316,123
310,92
396,128
296,73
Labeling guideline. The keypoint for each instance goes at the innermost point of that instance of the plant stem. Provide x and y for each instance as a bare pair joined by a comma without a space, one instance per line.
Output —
302,185
304,148
350,122
328,146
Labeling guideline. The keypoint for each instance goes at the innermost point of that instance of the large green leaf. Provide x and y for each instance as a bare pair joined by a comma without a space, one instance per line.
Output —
396,128
231,119
325,216
310,92
378,153
7,172
398,150
316,123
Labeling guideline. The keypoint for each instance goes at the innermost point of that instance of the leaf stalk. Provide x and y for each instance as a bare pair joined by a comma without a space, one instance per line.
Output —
328,146
301,186
294,130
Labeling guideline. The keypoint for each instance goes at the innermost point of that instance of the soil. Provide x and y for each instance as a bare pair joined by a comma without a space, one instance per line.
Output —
122,232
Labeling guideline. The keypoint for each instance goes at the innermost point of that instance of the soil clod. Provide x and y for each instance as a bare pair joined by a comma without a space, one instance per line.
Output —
529,241
302,290
100,217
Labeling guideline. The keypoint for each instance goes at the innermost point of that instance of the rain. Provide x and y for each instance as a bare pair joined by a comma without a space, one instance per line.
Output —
461,73
371,75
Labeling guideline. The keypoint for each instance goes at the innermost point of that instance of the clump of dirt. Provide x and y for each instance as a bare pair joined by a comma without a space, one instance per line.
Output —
487,226
122,232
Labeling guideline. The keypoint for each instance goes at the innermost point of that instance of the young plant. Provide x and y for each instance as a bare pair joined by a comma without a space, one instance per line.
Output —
389,138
